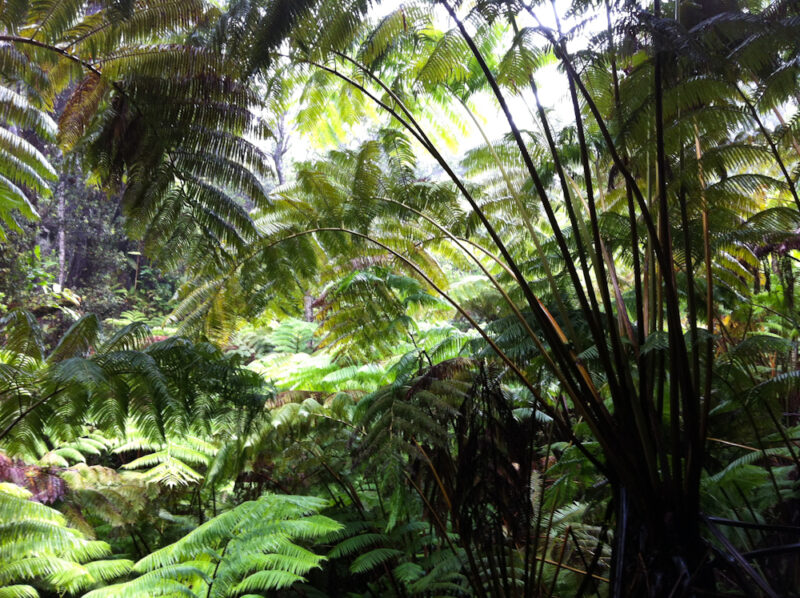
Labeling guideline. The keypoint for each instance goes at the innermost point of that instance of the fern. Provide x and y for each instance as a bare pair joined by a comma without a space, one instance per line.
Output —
168,384
22,165
254,547
171,463
145,101
374,558
293,336
38,550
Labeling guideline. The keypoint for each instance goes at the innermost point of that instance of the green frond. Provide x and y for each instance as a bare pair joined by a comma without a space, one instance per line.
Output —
293,336
105,30
167,471
372,559
264,581
18,591
274,27
22,164
356,544
29,165
447,62
158,61
14,198
252,548
49,19
16,109
23,334
407,20
141,105
37,547
77,341
130,337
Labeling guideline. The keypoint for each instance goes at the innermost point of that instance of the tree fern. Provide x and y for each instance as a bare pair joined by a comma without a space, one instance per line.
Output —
293,336
254,547
22,164
172,462
351,190
39,551
169,384
145,101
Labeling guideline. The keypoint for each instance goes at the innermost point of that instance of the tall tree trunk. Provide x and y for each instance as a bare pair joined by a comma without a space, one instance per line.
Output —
657,556
281,148
62,235
308,308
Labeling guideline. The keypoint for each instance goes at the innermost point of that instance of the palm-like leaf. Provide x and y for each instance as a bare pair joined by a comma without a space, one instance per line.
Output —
39,550
167,385
24,170
145,102
254,547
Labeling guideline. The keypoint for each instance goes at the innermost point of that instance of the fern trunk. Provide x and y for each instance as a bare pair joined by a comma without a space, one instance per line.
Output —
658,552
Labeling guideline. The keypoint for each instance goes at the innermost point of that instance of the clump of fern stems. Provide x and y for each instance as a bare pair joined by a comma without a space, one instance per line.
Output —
659,120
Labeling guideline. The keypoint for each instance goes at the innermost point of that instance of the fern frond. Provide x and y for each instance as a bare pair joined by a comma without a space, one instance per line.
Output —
36,546
252,547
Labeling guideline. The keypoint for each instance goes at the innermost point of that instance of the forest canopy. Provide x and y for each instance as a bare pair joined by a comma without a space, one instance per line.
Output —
378,298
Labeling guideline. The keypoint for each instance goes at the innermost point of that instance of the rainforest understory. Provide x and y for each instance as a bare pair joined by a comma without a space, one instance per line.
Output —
362,298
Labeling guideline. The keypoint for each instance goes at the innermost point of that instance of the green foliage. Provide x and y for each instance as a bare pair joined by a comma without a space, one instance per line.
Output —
105,382
40,552
24,169
254,547
338,212
152,115
169,463
561,360
293,336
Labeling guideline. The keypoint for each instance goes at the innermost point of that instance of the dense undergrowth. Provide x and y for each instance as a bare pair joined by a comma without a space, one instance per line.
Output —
326,298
